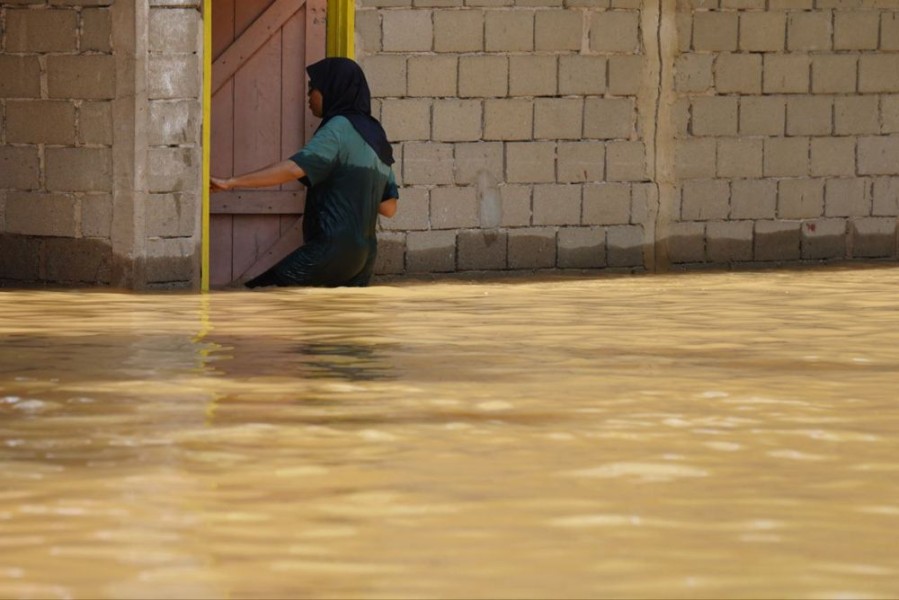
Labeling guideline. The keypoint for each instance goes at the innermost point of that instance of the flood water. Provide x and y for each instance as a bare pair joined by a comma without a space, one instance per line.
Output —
700,435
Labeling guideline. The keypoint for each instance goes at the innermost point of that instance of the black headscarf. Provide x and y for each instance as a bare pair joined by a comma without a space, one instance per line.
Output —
345,92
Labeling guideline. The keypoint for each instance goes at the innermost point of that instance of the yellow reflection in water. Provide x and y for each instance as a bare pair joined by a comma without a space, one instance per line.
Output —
701,435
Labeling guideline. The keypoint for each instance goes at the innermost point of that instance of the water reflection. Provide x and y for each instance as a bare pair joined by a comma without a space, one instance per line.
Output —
702,435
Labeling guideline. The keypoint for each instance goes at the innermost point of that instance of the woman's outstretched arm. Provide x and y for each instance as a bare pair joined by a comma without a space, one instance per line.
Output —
275,174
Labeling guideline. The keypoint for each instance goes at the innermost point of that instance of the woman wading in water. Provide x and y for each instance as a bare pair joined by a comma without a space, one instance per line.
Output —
346,168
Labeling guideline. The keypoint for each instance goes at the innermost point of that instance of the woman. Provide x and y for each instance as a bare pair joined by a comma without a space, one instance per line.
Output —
346,168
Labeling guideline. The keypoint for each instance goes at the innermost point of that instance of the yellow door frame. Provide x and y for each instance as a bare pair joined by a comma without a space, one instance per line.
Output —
341,28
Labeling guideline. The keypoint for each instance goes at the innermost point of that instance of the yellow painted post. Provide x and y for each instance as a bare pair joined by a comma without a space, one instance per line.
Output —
341,28
207,124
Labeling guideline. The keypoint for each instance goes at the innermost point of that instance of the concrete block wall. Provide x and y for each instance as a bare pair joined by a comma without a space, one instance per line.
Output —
636,133
99,142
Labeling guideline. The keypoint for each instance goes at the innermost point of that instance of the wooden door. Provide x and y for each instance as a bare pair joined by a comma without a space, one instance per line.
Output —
259,116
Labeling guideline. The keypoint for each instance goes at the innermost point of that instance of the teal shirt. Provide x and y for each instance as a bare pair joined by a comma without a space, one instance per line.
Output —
347,182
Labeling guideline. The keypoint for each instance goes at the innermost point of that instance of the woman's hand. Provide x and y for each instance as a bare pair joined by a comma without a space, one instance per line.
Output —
216,184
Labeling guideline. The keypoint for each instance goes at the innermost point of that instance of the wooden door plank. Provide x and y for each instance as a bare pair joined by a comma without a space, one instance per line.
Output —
222,27
253,235
287,242
220,232
293,88
257,109
245,46
247,11
221,151
258,202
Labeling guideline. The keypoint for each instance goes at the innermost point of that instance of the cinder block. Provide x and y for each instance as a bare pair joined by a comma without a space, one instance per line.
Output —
873,238
532,75
683,24
856,115
625,75
809,115
615,31
474,158
889,30
558,118
532,248
586,3
762,31
624,246
609,118
170,260
729,241
39,213
482,250
508,119
582,248
437,3
430,251
454,207
516,205
878,155
20,257
705,200
87,261
427,163
582,75
173,169
743,4
763,115
88,76
483,76
19,167
368,31
413,211
173,77
41,30
40,122
800,198
607,204
433,76
715,31
406,118
171,122
686,242
458,30
695,158
740,157
834,73
79,169
856,30
644,203
386,74
809,30
96,215
407,30
878,73
738,73
693,73
171,215
823,239
20,77
531,162
556,204
833,156
580,162
489,3
786,74
174,31
391,259
890,113
786,157
385,3
680,117
558,30
777,240
457,120
509,30
886,197
847,198
715,115
753,199
625,161
788,4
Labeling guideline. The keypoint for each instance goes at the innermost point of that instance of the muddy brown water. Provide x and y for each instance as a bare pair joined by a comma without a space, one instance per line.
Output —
699,435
